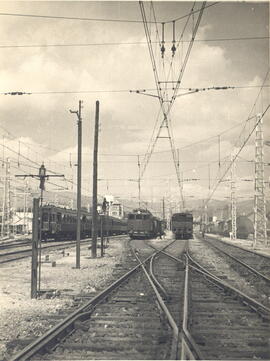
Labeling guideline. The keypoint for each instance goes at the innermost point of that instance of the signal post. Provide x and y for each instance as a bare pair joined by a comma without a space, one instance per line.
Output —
36,232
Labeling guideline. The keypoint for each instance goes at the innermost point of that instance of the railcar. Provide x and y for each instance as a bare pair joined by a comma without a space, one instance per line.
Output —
244,227
61,223
182,225
142,224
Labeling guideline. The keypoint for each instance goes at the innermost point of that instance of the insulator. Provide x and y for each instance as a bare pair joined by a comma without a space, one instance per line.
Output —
162,42
162,51
173,41
173,49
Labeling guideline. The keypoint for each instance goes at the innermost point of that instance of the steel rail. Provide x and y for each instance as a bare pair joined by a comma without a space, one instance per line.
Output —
187,339
175,330
253,304
167,254
241,248
14,244
190,350
63,244
156,282
253,270
63,328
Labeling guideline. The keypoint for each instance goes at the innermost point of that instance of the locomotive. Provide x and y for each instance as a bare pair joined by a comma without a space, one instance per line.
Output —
142,224
182,225
61,223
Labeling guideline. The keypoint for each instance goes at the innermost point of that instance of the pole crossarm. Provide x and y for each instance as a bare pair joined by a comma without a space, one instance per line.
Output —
38,176
163,96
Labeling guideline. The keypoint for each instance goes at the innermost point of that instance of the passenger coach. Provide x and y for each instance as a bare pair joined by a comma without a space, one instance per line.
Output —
61,223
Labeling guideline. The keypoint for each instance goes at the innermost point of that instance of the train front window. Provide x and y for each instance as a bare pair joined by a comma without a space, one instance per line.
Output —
131,216
59,217
45,217
139,216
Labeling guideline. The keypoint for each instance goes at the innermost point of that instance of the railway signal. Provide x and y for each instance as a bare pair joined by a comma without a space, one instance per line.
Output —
36,235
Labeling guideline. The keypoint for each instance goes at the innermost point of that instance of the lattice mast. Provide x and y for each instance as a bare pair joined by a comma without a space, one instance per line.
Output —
233,200
259,197
163,95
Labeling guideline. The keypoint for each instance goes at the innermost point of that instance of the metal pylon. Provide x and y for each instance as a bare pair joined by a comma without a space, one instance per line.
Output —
233,201
259,198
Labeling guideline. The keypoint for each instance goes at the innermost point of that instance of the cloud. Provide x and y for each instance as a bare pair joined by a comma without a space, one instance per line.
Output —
126,119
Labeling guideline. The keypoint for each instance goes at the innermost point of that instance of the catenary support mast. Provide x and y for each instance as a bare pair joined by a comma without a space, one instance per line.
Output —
259,197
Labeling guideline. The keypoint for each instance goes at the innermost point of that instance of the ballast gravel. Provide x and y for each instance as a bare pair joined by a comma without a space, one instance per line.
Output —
23,319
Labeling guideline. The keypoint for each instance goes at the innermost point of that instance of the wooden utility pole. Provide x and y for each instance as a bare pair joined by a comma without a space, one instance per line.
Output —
35,238
139,181
79,181
163,209
95,173
24,206
8,197
4,203
101,236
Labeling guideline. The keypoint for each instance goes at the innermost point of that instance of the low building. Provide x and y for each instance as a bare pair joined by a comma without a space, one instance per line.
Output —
116,210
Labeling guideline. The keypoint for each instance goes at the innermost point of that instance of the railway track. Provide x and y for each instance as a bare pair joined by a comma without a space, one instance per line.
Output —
219,321
169,276
257,261
225,323
235,268
20,253
14,243
123,321
168,273
165,306
27,252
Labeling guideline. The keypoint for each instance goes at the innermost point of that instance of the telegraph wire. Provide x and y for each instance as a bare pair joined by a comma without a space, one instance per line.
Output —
96,19
128,43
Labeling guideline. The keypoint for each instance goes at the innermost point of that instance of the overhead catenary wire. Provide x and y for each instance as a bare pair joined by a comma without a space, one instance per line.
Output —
165,120
94,19
254,104
128,43
236,155
138,91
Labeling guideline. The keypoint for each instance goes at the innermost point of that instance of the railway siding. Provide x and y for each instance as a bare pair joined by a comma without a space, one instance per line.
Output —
23,319
223,327
225,268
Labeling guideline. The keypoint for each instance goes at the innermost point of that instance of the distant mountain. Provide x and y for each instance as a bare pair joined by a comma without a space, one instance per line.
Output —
217,208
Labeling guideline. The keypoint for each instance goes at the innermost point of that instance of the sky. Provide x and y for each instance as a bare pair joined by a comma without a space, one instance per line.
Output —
42,56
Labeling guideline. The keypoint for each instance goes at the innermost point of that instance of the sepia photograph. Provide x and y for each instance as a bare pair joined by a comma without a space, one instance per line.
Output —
134,180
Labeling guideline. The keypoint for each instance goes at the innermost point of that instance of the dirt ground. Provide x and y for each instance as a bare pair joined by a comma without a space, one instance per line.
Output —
246,244
25,318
